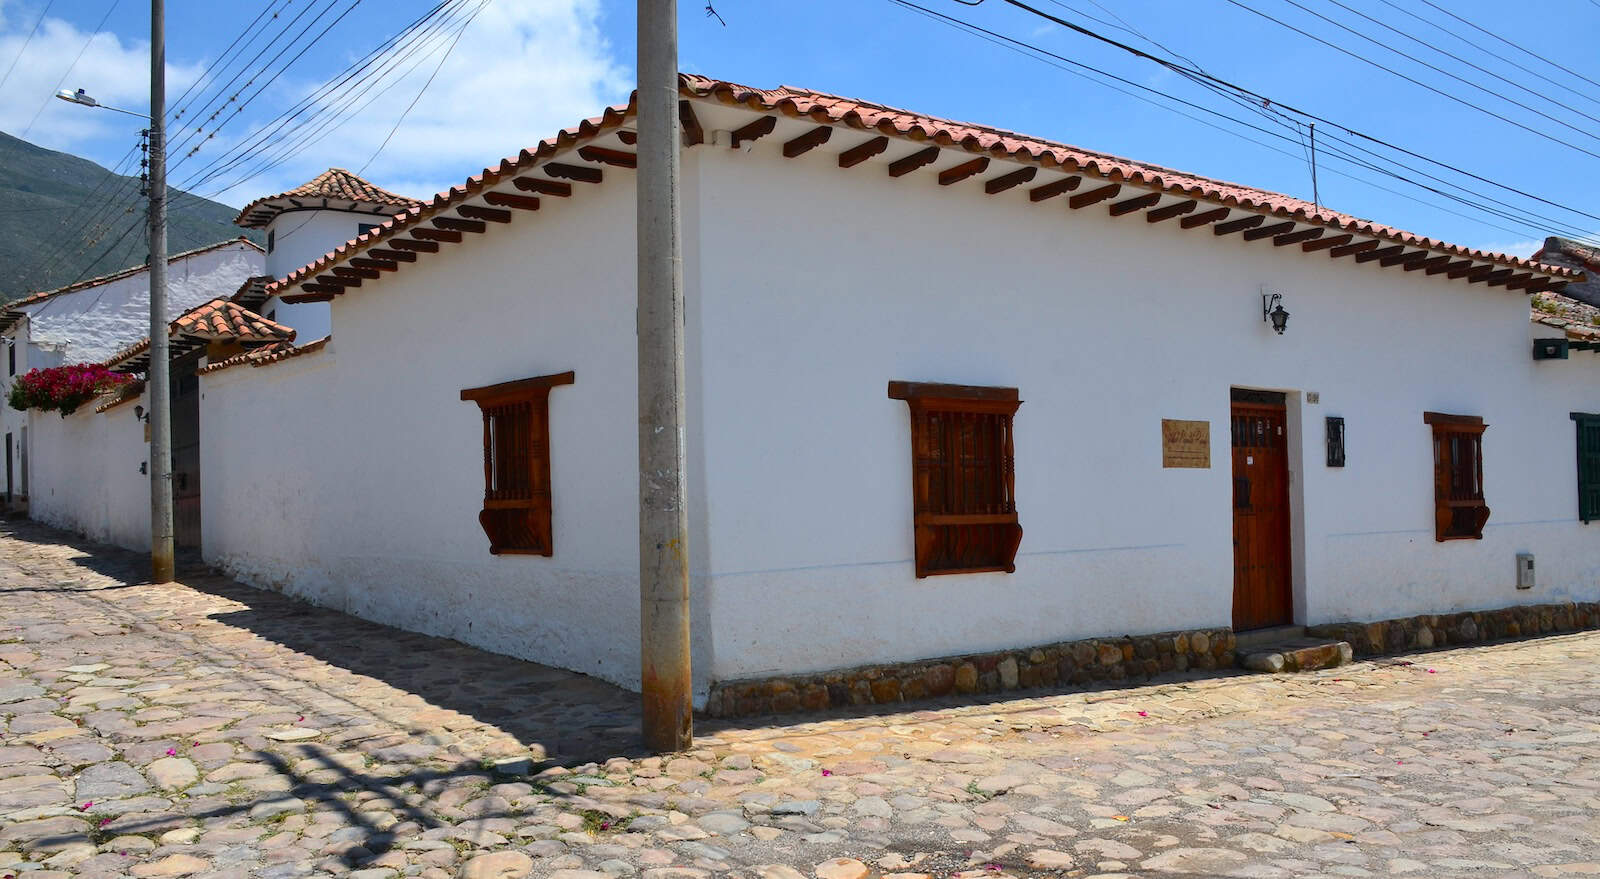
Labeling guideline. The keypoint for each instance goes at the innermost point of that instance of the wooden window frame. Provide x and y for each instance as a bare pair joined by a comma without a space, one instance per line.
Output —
964,541
1459,510
1588,465
527,511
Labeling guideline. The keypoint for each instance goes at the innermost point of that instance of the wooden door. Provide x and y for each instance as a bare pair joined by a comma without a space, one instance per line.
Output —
1261,569
10,485
185,455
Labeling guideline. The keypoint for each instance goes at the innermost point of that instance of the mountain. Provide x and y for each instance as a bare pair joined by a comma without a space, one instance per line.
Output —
46,241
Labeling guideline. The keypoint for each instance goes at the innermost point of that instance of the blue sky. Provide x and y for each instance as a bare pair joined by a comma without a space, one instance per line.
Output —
524,68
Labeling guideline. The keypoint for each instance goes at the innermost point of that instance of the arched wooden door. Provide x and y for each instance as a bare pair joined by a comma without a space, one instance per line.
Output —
1261,569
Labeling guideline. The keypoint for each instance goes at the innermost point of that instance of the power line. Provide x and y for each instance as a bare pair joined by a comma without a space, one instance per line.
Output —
71,67
27,41
1036,51
1496,36
420,92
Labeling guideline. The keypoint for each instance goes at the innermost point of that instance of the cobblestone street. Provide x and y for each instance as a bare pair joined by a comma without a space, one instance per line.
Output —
205,728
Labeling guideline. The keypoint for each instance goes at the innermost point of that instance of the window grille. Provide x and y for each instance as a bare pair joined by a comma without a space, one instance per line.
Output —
516,514
1459,508
1588,465
963,477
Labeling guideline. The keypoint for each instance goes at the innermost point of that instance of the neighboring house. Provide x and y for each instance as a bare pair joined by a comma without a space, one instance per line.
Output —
951,390
88,321
306,222
1571,254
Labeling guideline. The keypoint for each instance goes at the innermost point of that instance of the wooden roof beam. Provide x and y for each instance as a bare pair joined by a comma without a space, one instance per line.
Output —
631,138
1461,271
418,246
1523,282
807,142
1430,263
1480,273
1054,188
1382,253
392,255
1269,231
456,224
754,131
1357,248
1138,203
1094,196
997,185
512,200
446,235
905,165
863,151
492,215
1399,258
1498,277
963,171
331,284
693,132
1239,225
1325,243
542,186
385,265
1203,218
1448,266
603,156
355,272
1299,237
314,293
1170,211
577,173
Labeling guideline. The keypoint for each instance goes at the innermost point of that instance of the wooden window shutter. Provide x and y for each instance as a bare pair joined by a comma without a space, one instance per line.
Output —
1588,465
516,463
963,477
1459,510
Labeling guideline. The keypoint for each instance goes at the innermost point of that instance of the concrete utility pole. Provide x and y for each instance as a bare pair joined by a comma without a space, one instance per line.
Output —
663,513
161,552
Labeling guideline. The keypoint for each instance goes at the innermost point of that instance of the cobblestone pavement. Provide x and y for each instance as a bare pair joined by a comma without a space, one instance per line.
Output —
209,729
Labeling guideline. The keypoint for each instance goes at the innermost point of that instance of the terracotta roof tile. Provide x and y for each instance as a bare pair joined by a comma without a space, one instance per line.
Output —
215,320
334,188
276,352
852,113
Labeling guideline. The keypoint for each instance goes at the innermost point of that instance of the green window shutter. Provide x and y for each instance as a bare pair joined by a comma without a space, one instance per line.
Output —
1588,465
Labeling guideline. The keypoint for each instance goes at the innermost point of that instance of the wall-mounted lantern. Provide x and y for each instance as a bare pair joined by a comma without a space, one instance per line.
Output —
1335,438
1550,349
1272,312
138,414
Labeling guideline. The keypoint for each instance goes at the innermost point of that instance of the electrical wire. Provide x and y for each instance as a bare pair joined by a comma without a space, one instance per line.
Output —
424,90
26,42
1496,36
70,67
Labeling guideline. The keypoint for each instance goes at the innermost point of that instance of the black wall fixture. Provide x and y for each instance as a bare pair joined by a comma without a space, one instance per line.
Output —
1335,441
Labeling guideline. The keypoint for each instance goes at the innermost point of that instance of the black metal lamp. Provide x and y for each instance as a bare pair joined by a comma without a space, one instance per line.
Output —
1272,312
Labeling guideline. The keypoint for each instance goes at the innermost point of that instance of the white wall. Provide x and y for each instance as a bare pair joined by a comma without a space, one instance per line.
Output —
820,285
302,237
85,471
354,476
94,323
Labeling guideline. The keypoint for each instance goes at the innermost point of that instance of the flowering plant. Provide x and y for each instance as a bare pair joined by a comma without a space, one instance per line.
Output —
63,388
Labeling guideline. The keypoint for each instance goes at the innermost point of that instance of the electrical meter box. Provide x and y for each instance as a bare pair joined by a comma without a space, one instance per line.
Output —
1524,570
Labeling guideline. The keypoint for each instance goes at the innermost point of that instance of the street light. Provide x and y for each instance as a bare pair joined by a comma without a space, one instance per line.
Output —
160,415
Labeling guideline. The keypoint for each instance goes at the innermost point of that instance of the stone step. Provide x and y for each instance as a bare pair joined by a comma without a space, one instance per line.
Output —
1255,639
1296,654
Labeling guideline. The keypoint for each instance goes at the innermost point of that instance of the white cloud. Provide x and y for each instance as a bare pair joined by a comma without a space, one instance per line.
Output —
521,71
114,72
1523,248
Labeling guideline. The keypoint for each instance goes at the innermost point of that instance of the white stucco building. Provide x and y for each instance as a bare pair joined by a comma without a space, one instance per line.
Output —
88,321
952,391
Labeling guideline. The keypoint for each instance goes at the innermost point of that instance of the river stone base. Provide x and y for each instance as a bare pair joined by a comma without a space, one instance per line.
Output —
1071,663
1429,631
1300,654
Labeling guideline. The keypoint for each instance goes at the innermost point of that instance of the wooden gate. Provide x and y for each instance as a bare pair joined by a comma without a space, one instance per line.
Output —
1261,568
185,453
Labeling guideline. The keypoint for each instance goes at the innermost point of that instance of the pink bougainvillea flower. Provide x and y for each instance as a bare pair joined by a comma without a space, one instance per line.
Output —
172,752
86,806
104,821
1432,672
300,718
1144,714
827,772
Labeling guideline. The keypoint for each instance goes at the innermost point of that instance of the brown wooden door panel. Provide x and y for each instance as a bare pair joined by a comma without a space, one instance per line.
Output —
1261,567
185,455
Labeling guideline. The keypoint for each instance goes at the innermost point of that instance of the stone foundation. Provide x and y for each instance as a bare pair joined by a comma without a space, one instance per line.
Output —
1431,631
1071,663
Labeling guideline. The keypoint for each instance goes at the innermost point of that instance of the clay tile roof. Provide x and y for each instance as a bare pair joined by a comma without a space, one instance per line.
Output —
276,352
827,109
11,312
336,189
211,321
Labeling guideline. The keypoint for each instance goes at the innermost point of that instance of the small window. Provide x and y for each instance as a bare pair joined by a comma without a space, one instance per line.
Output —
272,239
963,477
516,464
1588,465
1459,511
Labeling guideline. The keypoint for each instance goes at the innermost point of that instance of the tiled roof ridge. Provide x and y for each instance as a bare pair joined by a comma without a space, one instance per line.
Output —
219,318
821,107
119,274
125,394
334,183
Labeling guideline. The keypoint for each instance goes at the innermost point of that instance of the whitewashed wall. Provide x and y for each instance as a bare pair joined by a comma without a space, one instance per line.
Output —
298,239
353,477
820,285
85,472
